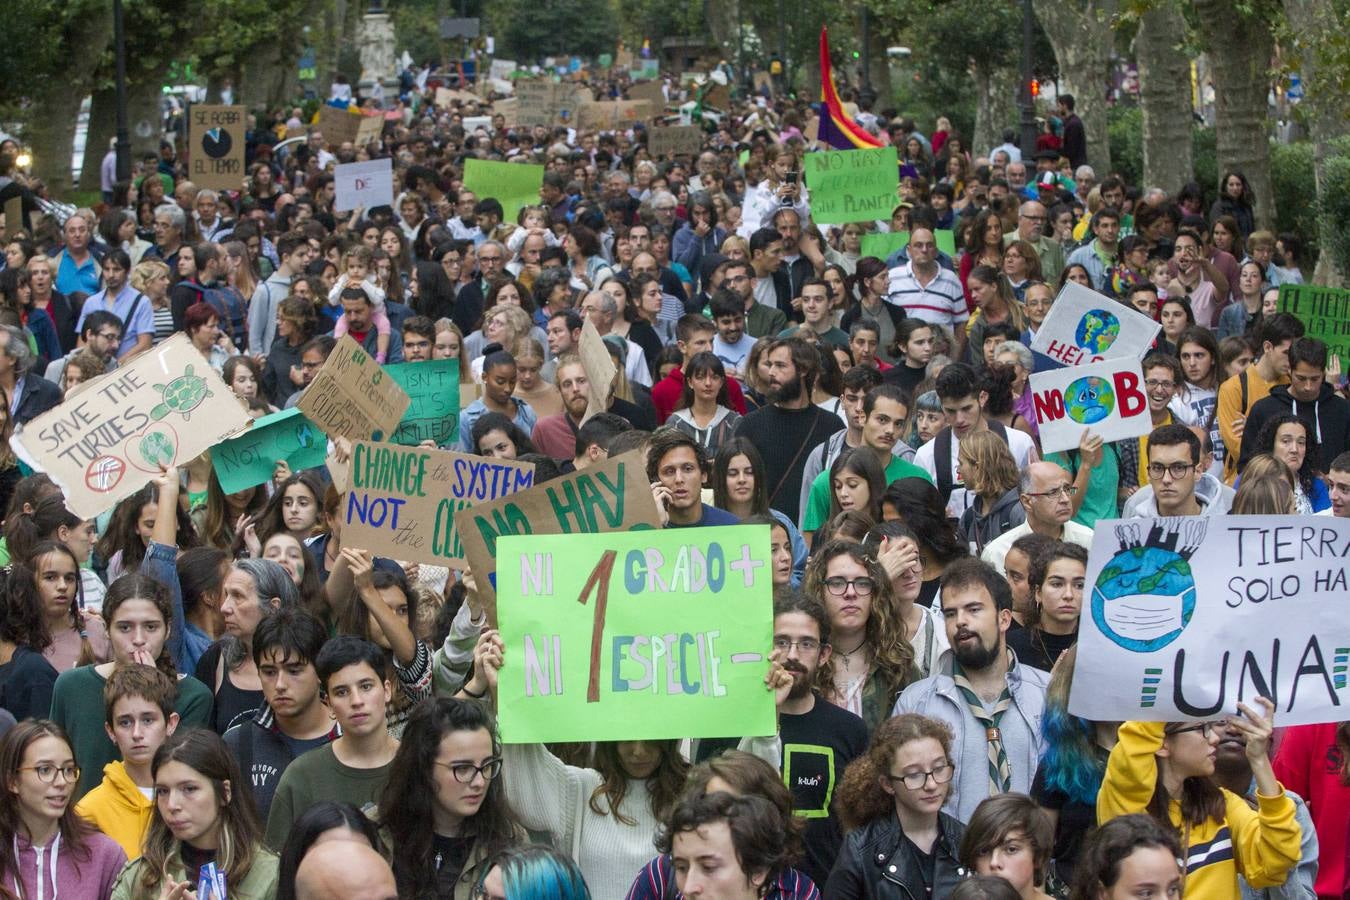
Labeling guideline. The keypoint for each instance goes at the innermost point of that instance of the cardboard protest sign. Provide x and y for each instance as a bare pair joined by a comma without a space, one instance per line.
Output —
852,185
548,102
249,459
1085,327
1107,397
611,115
718,96
366,184
512,184
675,140
164,407
509,110
1325,314
883,243
13,217
1158,642
352,396
340,126
446,96
433,401
614,495
216,146
651,91
639,636
599,366
402,502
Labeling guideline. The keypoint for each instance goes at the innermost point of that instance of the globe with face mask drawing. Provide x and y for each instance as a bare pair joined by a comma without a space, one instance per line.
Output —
1144,597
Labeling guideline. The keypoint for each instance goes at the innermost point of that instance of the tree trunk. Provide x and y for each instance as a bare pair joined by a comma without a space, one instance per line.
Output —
1165,96
102,129
143,125
879,68
995,105
51,133
1240,48
1323,104
1081,33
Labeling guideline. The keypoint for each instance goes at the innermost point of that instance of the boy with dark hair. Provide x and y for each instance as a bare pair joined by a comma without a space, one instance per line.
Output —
1308,396
676,467
732,344
138,702
292,718
355,767
693,334
1239,394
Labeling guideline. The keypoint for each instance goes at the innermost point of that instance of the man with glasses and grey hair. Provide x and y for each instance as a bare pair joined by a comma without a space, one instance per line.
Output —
1047,496
29,395
1031,219
170,220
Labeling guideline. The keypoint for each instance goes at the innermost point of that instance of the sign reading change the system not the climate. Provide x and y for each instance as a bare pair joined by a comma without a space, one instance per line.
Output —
1159,642
1107,397
115,433
638,636
1085,327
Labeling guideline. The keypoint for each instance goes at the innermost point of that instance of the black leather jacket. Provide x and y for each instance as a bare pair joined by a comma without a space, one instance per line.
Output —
875,864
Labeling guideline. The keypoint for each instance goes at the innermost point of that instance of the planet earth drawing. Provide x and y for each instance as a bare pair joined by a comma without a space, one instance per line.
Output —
1089,400
1097,331
1144,598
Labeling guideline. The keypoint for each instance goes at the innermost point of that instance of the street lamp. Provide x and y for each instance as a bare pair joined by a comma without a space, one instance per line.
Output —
1026,100
123,138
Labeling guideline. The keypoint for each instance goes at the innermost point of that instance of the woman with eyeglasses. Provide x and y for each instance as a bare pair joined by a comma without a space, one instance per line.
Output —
444,810
43,844
1167,770
899,842
1055,580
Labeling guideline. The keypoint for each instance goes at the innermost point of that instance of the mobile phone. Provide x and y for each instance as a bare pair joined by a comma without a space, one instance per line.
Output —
791,178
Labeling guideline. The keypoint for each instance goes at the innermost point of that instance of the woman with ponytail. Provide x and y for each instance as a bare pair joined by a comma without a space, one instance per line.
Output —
78,637
49,520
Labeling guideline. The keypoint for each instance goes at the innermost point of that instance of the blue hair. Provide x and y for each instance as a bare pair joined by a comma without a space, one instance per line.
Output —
1071,762
540,873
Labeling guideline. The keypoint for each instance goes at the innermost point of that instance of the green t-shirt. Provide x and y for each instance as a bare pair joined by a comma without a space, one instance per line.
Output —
77,706
818,503
318,775
1100,501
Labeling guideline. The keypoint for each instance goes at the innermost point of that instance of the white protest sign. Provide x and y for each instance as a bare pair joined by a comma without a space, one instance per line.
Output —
367,184
1157,643
1085,327
1107,397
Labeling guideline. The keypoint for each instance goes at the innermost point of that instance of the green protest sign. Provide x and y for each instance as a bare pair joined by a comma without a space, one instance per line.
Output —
249,459
852,185
1325,314
884,243
635,636
513,184
433,413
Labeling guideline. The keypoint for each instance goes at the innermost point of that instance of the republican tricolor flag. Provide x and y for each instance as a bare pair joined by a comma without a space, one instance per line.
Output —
836,128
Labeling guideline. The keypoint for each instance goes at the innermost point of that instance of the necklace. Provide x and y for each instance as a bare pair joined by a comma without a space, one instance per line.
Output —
847,655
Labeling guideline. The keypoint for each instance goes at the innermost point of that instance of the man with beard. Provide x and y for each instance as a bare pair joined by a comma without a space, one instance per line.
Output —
786,431
991,703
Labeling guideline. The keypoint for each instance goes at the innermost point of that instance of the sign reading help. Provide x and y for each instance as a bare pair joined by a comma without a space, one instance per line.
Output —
1159,643
352,396
612,496
1085,327
402,501
216,146
852,185
639,636
367,184
1325,314
433,409
1107,397
249,459
108,440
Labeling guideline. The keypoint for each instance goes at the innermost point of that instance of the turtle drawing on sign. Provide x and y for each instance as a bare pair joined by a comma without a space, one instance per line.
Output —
181,395
1145,595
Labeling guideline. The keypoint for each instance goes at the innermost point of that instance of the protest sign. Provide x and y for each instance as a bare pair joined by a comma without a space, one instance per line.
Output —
433,401
548,102
599,366
614,495
501,68
884,243
402,502
611,115
675,140
1106,396
1157,642
718,96
340,126
352,396
645,67
216,146
509,109
1085,327
446,96
249,459
852,185
651,91
164,407
640,636
1325,314
13,217
365,184
513,185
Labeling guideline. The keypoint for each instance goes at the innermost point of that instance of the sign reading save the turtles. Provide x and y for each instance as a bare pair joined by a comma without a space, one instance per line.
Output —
112,436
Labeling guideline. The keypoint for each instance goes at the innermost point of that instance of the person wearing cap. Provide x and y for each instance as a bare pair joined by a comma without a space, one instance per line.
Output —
1032,218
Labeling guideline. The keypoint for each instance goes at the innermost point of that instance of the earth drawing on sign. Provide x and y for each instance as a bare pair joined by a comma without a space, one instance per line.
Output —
1145,595
1089,400
1097,331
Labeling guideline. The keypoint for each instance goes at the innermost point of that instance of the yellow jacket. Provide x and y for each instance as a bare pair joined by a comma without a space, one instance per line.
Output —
118,809
1261,844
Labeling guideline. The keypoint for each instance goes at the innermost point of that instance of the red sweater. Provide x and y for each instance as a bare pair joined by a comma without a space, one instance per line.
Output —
666,394
1309,764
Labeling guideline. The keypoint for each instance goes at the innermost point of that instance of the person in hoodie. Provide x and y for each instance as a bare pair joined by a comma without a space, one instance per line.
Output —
139,703
44,846
1178,481
1308,396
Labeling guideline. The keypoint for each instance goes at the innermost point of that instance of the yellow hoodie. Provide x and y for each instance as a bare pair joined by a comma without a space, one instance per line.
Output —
118,809
1261,844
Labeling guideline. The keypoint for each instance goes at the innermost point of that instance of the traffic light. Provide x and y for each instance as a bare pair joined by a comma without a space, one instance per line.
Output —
1035,89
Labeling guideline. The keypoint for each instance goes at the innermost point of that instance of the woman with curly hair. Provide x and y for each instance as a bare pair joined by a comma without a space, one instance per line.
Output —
892,798
26,677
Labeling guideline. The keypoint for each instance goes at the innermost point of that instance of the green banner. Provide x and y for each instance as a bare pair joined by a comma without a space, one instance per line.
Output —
249,459
1325,314
852,185
513,184
635,635
884,243
433,414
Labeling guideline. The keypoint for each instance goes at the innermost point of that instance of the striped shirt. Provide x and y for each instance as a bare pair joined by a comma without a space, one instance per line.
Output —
941,302
657,882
